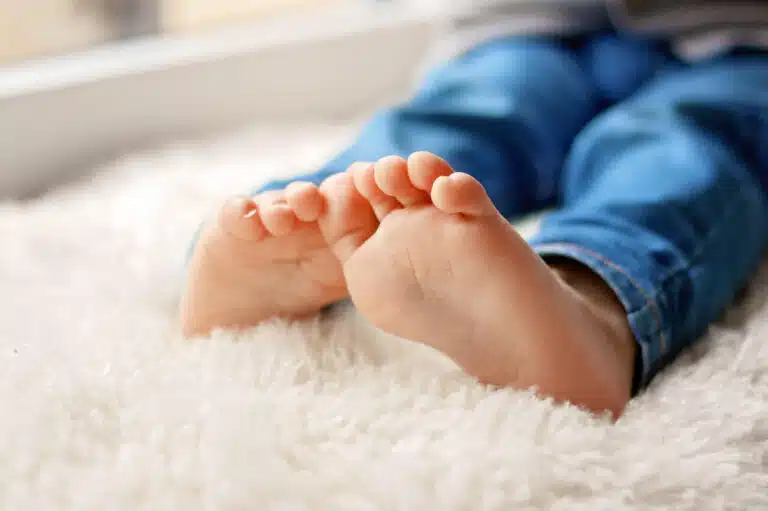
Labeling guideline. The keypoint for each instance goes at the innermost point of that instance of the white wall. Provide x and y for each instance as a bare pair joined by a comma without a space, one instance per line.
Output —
60,116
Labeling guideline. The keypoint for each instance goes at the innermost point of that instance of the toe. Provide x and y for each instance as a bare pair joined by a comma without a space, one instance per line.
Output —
365,183
391,175
348,220
276,215
305,200
240,217
424,168
461,193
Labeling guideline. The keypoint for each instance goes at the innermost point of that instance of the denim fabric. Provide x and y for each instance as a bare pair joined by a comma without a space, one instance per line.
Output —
654,165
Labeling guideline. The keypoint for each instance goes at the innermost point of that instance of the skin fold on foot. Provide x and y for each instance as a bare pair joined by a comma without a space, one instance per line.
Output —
444,268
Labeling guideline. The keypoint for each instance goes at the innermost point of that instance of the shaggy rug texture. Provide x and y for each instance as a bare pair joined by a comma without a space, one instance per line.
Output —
104,407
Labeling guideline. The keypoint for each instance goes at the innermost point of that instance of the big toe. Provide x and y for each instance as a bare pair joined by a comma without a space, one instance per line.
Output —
348,220
462,193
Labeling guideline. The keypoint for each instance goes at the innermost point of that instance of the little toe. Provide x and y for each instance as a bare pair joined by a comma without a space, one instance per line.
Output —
365,183
348,220
305,200
391,175
461,193
424,168
240,217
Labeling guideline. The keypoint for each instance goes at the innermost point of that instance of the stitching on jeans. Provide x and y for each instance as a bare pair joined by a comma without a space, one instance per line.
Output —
650,302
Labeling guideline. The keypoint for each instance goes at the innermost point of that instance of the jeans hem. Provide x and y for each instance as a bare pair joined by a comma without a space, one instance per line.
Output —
643,312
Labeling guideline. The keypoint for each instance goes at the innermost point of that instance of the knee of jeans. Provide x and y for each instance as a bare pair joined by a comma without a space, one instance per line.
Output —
692,117
508,62
675,117
689,135
621,65
725,80
504,46
611,133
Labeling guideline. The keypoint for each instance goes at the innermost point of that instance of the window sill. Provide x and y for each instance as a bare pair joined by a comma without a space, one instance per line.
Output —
63,114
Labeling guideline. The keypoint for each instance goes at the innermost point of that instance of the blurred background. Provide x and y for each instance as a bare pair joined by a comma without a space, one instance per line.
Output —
37,28
83,82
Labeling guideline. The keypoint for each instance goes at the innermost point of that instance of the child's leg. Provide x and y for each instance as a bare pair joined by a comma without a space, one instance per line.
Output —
664,198
506,112
664,218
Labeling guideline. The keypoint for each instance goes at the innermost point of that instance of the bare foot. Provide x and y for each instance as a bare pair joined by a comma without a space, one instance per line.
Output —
265,257
446,269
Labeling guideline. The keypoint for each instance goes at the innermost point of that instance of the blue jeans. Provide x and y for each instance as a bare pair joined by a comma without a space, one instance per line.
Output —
655,167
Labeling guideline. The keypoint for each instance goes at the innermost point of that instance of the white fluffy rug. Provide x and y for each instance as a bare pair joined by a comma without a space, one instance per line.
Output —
103,407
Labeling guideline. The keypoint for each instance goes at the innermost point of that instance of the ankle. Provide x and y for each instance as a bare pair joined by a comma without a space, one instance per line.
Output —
601,301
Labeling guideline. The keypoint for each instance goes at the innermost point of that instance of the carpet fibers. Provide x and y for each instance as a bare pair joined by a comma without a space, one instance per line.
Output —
104,407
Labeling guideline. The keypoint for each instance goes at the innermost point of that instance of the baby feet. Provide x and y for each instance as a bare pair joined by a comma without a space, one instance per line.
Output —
265,257
444,268
424,255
